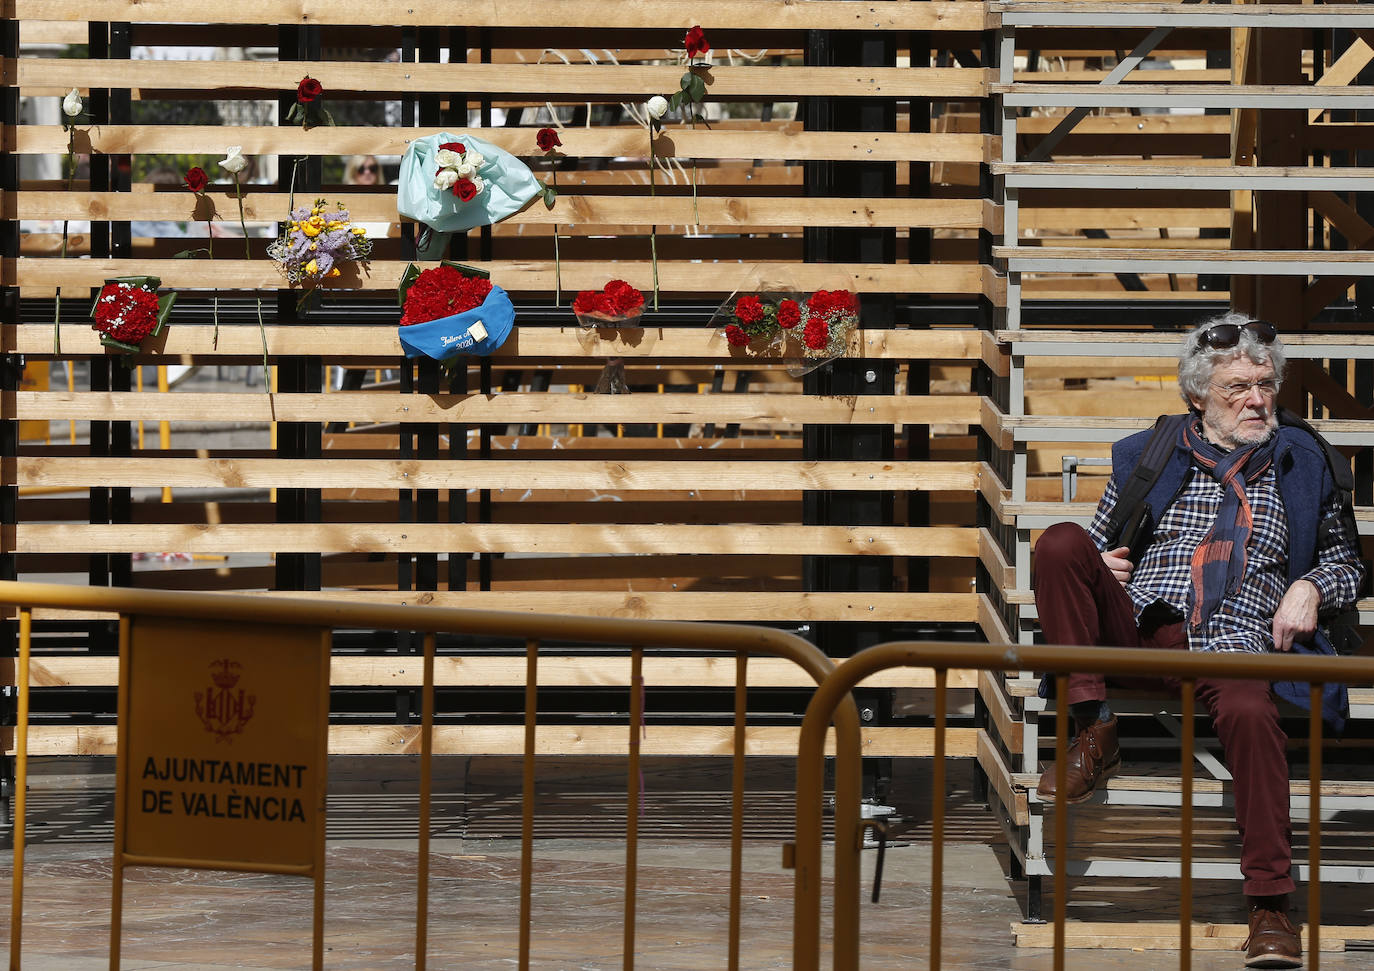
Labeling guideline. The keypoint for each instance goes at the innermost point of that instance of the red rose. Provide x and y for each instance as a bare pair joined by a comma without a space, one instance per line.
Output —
789,314
749,310
465,189
547,139
696,42
817,334
458,147
308,90
196,179
736,335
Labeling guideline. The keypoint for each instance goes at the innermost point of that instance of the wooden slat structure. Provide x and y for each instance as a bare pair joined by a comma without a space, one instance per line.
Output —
725,487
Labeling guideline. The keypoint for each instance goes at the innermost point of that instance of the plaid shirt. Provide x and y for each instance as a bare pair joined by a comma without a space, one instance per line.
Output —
1243,620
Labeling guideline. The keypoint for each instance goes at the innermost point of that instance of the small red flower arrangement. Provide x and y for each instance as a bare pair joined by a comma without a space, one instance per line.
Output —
442,291
617,301
128,311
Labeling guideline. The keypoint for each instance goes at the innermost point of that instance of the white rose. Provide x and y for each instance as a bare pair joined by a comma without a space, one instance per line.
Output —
235,163
444,179
71,104
478,183
446,157
466,169
476,159
657,106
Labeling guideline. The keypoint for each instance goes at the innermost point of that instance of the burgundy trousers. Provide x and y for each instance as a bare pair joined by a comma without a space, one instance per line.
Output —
1080,602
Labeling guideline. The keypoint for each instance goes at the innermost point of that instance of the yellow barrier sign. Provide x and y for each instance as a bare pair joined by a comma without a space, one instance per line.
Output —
224,739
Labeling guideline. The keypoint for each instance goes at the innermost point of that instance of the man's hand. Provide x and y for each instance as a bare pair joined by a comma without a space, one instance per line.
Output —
1121,567
1296,617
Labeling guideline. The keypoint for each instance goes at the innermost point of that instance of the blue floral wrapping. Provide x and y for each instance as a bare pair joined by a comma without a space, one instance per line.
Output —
448,337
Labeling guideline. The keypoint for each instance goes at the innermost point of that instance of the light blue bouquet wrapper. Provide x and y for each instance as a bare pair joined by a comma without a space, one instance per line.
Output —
510,185
447,337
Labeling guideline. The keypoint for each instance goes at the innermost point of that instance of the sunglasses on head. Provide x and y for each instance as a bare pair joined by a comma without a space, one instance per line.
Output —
1223,336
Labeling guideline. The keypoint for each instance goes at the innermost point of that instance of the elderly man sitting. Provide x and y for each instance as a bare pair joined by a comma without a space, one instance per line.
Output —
1246,541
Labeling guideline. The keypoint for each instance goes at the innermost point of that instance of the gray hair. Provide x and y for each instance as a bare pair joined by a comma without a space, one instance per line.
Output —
1197,361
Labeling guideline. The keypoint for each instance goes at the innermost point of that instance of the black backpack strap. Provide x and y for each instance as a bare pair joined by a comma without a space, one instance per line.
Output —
1338,463
1344,480
1163,440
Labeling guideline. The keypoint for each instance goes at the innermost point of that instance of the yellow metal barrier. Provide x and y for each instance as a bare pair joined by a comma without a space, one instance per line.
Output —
941,657
740,640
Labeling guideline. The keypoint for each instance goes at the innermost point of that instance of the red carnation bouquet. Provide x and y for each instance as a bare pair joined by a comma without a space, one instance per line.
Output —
615,303
451,309
441,291
128,311
762,317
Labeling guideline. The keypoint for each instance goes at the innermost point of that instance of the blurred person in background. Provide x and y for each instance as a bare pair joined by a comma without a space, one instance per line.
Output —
364,170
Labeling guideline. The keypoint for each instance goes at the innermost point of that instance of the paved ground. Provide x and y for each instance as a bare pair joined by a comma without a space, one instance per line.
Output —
191,919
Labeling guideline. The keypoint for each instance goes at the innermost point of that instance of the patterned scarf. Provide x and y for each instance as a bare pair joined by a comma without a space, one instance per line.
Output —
1218,565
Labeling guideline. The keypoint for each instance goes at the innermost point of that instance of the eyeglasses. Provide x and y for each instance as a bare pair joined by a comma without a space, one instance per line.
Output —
1240,390
1223,336
373,168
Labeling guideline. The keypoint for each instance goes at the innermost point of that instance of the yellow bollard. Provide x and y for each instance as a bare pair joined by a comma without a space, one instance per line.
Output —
164,427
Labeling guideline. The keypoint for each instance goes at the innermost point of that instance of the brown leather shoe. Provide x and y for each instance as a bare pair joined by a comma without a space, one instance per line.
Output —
1094,756
1273,941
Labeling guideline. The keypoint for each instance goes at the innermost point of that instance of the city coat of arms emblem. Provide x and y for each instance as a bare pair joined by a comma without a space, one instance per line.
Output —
223,707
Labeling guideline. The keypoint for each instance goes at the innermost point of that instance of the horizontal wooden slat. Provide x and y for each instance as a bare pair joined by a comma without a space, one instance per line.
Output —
1337,261
669,16
337,473
554,671
526,344
748,606
1298,789
733,539
1266,96
505,408
694,740
1151,14
1168,343
571,208
343,78
674,277
600,142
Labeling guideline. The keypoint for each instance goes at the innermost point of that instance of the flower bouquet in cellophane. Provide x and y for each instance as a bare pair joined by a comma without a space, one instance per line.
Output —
128,311
776,319
451,309
614,305
828,319
317,242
